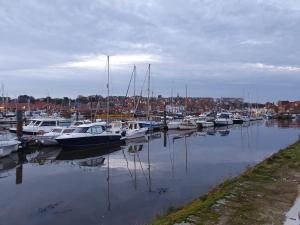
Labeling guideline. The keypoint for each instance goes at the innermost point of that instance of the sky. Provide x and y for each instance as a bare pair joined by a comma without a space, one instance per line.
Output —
217,48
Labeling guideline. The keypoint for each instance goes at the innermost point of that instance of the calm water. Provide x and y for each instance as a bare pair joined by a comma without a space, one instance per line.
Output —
134,183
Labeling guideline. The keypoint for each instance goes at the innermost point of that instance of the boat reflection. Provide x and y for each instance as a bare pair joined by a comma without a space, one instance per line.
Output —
224,132
86,153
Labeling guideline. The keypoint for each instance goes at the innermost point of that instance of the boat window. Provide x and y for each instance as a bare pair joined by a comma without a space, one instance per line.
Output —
98,129
135,126
32,122
56,130
48,123
130,126
225,116
82,130
37,123
64,123
67,131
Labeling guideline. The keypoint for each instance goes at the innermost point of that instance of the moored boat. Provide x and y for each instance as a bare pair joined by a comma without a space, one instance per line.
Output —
7,147
48,139
188,124
224,119
42,125
134,130
89,136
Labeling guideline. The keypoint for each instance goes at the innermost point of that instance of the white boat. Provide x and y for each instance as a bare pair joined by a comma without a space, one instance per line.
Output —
245,119
48,139
7,147
117,127
203,122
135,130
89,136
188,124
42,125
173,125
224,119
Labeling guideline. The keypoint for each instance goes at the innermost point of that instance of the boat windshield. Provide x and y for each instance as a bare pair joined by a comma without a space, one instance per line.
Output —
81,129
37,123
224,116
91,130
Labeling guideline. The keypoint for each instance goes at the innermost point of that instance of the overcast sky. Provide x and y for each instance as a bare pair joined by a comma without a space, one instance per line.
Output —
238,48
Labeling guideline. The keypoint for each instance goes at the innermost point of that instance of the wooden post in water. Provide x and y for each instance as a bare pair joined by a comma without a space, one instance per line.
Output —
19,174
19,123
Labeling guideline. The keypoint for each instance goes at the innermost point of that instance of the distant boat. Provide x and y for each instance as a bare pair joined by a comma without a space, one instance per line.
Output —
203,122
188,124
224,119
42,125
237,119
245,119
173,125
89,136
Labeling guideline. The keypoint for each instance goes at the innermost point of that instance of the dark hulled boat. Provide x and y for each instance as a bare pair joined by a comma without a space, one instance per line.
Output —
89,136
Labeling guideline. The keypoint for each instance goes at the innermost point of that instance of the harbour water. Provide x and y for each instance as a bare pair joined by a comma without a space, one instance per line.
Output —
134,183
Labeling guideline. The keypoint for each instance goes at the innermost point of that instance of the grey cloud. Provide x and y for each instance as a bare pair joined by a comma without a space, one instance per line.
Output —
200,43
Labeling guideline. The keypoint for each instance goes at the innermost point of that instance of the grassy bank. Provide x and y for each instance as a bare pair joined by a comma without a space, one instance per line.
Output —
262,195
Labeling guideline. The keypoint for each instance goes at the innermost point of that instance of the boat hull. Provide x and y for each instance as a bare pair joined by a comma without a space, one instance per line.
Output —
136,134
238,121
90,142
7,147
223,122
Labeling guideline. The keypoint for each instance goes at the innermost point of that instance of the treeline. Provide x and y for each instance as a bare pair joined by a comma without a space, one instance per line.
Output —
64,100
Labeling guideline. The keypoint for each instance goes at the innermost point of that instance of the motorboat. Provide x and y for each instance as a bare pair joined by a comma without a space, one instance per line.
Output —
42,125
135,130
151,125
89,136
203,122
237,119
9,146
117,127
188,124
48,139
224,119
173,125
245,119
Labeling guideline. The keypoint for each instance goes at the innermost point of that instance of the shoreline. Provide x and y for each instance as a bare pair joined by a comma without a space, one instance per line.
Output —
263,194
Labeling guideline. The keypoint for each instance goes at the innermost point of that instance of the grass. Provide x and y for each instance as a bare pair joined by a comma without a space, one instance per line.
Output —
261,195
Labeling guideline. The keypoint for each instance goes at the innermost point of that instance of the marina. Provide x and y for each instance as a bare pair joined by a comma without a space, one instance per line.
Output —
149,112
135,181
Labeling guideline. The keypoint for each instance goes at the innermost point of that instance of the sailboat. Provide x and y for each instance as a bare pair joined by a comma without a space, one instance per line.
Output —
188,122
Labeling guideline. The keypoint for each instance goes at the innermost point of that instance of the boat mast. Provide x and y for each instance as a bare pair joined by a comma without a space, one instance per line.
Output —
186,99
107,113
172,99
148,103
3,101
134,82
